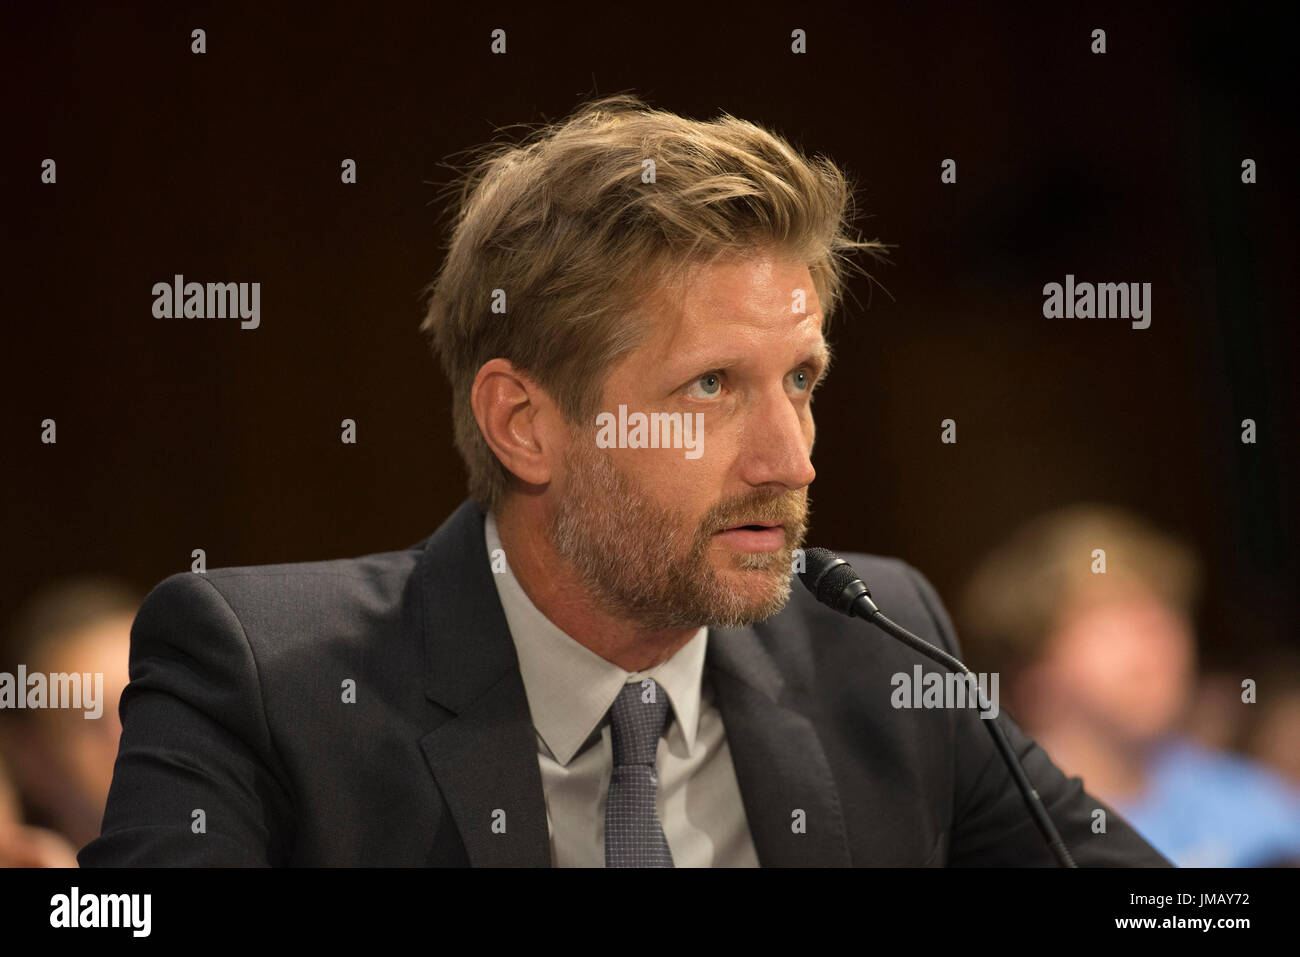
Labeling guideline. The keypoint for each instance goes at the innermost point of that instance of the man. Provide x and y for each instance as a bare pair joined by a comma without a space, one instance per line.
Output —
598,659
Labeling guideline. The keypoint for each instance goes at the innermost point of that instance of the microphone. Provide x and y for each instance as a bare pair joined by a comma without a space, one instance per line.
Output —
835,584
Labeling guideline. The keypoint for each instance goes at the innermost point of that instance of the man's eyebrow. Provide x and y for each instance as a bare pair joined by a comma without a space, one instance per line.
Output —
820,352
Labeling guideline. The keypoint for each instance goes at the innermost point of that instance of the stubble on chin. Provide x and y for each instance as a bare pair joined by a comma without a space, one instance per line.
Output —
633,557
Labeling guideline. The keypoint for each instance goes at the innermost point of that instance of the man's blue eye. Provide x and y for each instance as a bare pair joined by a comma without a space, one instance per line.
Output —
711,377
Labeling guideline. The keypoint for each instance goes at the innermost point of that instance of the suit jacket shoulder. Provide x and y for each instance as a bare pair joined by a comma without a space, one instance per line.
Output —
258,696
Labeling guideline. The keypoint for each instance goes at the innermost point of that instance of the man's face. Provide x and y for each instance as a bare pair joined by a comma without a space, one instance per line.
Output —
654,534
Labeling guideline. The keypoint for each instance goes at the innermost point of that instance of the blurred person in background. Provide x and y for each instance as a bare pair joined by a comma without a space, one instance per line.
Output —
1274,737
60,760
1100,669
25,846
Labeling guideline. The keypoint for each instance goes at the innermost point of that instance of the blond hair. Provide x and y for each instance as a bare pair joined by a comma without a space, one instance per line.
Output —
564,225
1021,591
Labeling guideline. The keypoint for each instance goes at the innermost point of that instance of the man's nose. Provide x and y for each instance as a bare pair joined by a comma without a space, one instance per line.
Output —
777,451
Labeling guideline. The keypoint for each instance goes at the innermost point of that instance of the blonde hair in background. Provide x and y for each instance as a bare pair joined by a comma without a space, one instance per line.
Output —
1020,591
563,223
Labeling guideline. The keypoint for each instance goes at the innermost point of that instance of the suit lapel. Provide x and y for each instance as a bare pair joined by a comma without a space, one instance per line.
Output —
779,760
484,758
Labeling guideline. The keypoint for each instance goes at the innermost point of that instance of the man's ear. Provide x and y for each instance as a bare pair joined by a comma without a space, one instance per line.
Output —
514,413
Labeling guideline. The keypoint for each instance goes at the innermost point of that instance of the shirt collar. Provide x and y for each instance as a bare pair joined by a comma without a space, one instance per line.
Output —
570,688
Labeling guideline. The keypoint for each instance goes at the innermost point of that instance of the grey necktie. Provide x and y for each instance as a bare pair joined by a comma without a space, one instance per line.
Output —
633,835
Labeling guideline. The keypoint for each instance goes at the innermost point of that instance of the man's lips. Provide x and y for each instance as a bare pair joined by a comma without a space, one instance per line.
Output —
753,536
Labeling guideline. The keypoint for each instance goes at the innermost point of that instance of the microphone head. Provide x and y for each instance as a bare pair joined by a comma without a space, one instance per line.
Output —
828,577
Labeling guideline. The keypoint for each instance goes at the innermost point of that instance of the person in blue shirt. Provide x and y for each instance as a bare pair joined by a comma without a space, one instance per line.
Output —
1204,808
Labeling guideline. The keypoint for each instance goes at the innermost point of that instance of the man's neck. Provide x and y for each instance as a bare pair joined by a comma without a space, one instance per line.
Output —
552,587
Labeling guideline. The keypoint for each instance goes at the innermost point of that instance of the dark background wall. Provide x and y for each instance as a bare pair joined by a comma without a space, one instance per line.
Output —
177,434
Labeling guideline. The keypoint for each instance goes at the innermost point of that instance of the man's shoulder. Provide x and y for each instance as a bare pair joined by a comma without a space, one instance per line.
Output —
374,572
289,601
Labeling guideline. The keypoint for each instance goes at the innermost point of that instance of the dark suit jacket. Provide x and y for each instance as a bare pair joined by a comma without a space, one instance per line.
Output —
235,708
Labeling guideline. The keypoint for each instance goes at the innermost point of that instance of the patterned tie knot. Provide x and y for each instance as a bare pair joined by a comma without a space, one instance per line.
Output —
637,720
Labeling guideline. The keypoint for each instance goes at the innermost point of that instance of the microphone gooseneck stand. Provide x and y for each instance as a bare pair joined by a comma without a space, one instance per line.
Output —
835,584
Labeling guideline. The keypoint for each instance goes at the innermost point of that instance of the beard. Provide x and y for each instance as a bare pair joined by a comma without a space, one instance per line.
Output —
644,562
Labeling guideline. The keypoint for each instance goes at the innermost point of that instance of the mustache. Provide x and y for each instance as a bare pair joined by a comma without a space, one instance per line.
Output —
789,509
